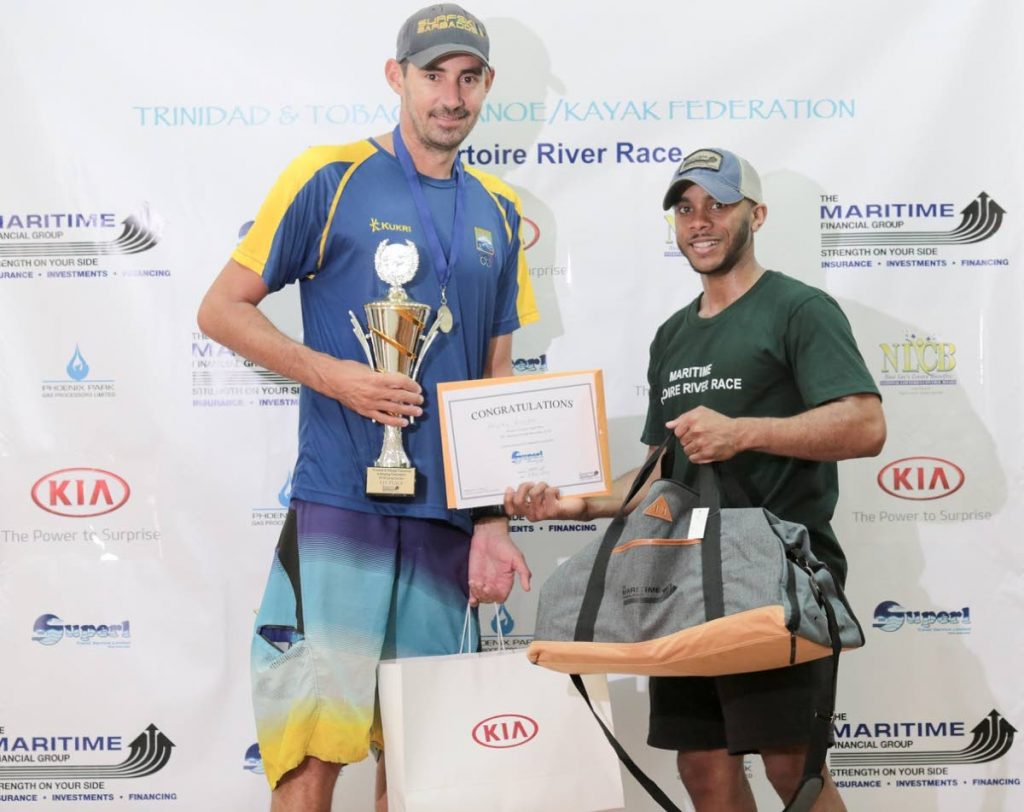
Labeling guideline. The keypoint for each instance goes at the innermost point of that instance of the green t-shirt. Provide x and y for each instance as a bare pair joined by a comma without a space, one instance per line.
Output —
780,349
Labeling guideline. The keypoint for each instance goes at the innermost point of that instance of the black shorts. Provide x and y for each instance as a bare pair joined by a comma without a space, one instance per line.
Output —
742,713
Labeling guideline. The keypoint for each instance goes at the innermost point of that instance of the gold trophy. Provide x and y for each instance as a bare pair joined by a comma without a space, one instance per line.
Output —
395,343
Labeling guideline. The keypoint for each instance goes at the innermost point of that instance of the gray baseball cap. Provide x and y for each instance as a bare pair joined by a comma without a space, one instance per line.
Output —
440,30
722,174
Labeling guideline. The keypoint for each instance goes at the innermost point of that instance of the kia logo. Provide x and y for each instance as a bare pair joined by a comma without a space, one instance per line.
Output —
921,478
80,492
504,731
529,233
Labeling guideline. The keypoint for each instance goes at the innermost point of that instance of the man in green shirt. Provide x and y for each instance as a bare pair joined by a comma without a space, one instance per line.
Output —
762,371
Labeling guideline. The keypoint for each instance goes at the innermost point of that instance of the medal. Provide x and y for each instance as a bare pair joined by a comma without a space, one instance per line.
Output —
443,265
444,319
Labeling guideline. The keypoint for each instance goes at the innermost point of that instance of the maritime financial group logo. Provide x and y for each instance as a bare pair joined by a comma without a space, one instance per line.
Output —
221,378
885,745
891,617
921,478
918,364
888,234
80,492
49,630
76,245
62,763
78,383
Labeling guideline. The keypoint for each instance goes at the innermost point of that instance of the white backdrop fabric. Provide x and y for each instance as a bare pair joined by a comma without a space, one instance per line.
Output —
144,470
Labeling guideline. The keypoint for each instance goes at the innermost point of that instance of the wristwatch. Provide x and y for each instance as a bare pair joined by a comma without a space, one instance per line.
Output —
487,512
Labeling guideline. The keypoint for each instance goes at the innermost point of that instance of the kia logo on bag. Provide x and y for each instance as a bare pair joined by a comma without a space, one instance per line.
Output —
80,492
505,730
921,478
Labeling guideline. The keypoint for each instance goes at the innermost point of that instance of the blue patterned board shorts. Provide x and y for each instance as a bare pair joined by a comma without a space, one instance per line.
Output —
346,590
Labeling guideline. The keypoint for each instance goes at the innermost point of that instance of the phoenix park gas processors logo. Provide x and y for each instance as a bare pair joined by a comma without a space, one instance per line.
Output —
78,383
274,515
921,478
504,731
80,492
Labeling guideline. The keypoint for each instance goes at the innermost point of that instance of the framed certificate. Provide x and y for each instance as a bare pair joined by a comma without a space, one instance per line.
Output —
501,432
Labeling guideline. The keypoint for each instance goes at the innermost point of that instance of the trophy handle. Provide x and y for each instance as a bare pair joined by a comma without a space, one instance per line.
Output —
427,340
357,328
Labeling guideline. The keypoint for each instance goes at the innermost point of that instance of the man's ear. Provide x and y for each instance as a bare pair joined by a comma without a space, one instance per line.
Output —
759,214
394,74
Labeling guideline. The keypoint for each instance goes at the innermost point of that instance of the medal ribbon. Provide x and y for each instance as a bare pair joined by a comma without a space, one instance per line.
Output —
443,265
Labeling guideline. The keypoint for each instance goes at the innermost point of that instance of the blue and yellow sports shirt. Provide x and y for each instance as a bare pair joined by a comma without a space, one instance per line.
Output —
320,226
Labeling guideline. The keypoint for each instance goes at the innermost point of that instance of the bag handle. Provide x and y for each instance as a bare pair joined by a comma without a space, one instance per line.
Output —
466,641
711,548
587,618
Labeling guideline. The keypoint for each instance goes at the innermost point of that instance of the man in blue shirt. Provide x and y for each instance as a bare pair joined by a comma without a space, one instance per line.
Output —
357,577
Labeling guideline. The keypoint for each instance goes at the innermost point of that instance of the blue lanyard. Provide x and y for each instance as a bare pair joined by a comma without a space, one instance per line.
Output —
442,265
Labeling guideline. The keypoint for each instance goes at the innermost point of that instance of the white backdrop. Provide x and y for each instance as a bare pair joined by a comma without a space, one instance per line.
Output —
144,469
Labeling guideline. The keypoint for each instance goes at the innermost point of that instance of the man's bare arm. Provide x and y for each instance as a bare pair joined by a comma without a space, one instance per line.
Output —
851,426
230,316
537,501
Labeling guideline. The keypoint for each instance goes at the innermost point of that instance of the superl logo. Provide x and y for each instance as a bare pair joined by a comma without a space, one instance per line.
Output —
80,492
505,730
921,478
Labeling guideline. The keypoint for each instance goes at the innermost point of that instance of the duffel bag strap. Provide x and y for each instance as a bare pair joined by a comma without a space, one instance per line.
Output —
811,782
641,777
595,584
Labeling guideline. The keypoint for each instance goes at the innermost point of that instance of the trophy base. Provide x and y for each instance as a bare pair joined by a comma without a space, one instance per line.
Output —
391,481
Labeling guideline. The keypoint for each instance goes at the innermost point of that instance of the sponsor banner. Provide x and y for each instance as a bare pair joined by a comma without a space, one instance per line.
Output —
162,462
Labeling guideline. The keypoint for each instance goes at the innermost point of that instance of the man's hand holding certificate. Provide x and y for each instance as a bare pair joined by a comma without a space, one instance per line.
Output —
505,431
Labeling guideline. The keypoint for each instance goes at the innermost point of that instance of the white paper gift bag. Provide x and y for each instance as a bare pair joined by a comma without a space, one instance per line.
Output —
492,731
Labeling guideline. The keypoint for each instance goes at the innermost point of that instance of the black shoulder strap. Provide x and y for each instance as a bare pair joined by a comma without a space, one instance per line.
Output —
595,583
641,777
